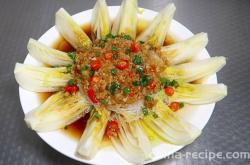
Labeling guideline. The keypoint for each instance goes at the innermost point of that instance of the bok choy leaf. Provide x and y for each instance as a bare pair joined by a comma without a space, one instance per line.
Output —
184,50
93,133
170,127
41,79
126,20
70,30
47,55
127,144
195,70
100,22
200,93
195,93
58,111
156,32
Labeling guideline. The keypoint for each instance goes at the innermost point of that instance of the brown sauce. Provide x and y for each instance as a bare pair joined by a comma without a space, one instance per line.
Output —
76,129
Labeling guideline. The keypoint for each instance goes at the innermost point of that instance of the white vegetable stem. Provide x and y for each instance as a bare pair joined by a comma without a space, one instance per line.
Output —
184,50
156,32
126,20
195,70
132,145
93,133
58,111
200,93
47,55
41,79
171,127
100,22
70,30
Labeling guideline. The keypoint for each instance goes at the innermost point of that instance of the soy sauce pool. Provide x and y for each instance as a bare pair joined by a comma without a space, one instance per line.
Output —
75,130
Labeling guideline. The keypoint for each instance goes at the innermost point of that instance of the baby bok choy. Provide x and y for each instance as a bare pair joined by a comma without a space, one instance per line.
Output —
200,93
93,133
195,70
126,20
41,79
70,30
184,50
131,145
170,127
47,55
58,111
100,22
156,32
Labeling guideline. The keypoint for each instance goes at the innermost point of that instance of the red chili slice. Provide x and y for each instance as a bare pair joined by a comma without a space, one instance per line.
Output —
169,91
92,96
112,128
152,84
134,47
94,79
174,106
122,64
71,88
95,64
132,74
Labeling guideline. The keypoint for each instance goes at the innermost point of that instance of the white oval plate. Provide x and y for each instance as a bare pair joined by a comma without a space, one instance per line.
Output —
197,116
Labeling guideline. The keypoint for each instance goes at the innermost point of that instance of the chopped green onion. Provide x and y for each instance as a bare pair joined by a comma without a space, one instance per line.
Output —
148,98
164,81
127,37
181,105
97,115
71,82
91,73
155,115
113,71
113,87
137,60
69,68
105,101
126,91
140,70
114,49
72,55
145,111
83,68
141,42
127,51
174,83
145,80
110,36
115,56
136,83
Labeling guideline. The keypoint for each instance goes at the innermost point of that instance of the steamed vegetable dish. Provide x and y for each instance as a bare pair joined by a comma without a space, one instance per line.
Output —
129,85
